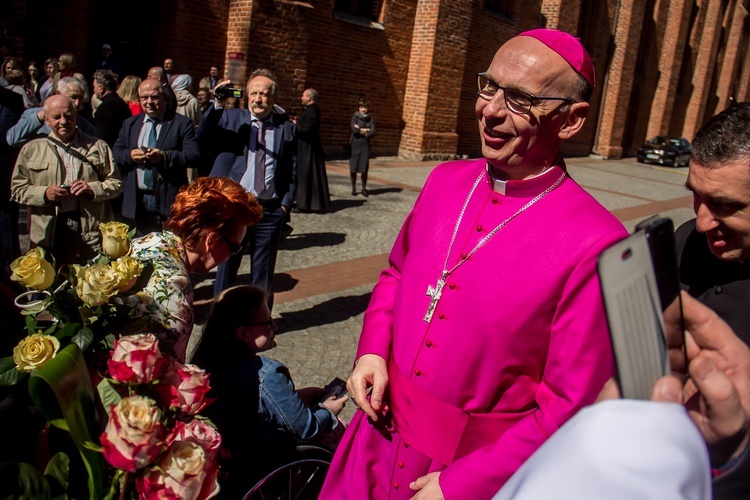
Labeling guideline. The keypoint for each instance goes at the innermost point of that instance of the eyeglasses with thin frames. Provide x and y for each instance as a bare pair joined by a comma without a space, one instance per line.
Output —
517,101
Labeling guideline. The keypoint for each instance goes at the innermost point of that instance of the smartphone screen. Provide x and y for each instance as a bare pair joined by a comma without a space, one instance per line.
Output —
639,281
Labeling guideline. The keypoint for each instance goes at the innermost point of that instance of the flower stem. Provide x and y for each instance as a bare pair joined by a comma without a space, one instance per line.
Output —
125,485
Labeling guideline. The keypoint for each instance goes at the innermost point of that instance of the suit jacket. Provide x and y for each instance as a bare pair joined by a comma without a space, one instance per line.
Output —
177,141
110,115
11,108
226,133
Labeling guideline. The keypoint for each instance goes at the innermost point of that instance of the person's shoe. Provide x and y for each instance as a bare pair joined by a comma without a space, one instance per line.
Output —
354,192
365,193
286,230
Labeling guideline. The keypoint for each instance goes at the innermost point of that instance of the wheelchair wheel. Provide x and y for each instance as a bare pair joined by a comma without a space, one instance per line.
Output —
300,480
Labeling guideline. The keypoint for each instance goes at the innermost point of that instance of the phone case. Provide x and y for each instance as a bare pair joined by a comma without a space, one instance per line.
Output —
634,303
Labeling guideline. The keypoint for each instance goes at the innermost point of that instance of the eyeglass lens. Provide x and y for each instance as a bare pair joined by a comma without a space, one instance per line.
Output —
517,101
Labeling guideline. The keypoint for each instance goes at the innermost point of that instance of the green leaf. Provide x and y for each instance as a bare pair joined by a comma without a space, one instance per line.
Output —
83,338
108,394
23,481
9,375
62,391
109,341
57,472
102,258
92,446
69,329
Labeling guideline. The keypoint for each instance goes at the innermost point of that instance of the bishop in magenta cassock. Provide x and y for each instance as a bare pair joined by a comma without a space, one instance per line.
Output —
487,332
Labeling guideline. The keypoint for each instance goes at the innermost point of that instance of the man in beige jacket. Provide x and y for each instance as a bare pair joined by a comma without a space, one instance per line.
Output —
66,180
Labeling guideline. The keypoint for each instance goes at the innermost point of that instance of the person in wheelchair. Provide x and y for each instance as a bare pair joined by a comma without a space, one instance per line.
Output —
260,415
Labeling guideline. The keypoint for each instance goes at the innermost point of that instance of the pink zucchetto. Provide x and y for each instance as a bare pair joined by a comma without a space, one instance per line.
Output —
569,48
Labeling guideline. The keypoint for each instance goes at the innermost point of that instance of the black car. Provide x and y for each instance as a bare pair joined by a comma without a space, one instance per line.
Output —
664,150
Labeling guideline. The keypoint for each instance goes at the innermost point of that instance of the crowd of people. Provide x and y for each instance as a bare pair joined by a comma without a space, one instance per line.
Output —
484,359
158,137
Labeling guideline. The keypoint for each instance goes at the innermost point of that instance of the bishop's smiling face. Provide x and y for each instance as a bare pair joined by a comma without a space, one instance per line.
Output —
520,145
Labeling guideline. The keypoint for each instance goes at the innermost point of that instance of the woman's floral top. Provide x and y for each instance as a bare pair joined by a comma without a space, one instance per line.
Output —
168,296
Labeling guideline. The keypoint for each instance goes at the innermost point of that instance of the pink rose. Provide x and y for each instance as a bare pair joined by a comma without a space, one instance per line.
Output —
136,359
134,434
183,472
188,387
200,432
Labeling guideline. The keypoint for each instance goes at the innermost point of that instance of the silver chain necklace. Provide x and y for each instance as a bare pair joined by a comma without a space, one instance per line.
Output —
436,292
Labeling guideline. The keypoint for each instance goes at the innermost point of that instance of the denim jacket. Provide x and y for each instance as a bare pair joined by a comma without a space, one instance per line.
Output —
283,409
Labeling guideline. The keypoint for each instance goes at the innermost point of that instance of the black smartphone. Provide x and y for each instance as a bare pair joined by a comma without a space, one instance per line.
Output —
639,281
66,187
336,388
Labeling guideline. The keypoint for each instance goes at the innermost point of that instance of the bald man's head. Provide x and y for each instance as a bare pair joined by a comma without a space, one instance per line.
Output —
151,95
158,74
61,117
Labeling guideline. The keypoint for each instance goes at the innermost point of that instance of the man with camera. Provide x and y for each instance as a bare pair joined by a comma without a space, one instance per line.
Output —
66,179
154,151
256,147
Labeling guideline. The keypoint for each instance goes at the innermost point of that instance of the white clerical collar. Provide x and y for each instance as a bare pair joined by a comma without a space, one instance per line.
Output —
500,186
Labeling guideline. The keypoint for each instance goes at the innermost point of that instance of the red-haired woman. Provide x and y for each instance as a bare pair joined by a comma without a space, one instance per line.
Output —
206,226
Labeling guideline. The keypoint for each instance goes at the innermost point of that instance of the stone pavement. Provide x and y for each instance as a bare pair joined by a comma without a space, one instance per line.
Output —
327,267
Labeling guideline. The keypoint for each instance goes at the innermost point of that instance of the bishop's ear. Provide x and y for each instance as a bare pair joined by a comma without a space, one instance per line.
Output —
574,120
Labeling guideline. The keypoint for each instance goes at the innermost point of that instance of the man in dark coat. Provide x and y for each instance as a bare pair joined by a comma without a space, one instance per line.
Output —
258,149
158,74
714,248
113,111
154,151
312,186
11,107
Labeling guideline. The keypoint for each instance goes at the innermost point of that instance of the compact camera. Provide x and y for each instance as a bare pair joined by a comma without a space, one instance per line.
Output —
227,92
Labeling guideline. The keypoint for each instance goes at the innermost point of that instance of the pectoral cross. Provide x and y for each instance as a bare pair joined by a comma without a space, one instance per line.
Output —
434,294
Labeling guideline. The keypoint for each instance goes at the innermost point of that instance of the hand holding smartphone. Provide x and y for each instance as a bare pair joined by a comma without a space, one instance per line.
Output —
639,280
335,389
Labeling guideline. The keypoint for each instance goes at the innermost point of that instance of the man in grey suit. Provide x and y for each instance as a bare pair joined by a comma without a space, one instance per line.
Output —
256,147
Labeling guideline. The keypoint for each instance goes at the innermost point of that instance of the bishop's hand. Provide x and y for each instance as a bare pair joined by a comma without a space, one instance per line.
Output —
370,371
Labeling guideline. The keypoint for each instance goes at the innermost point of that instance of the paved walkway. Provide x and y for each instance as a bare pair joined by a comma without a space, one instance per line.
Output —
327,267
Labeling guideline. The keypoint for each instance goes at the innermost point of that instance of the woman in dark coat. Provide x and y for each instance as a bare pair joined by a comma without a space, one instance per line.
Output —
363,127
312,182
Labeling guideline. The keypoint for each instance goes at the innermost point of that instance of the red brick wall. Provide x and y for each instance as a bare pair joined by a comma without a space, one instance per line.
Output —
419,79
13,29
193,33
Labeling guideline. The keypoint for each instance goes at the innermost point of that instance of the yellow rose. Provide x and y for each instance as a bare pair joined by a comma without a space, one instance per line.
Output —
128,269
95,283
115,241
34,351
32,270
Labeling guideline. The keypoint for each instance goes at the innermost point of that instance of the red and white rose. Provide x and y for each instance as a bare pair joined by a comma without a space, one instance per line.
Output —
183,472
188,386
136,359
199,432
134,434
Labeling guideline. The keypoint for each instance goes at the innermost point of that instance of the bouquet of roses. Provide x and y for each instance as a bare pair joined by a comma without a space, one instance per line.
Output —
83,305
155,437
